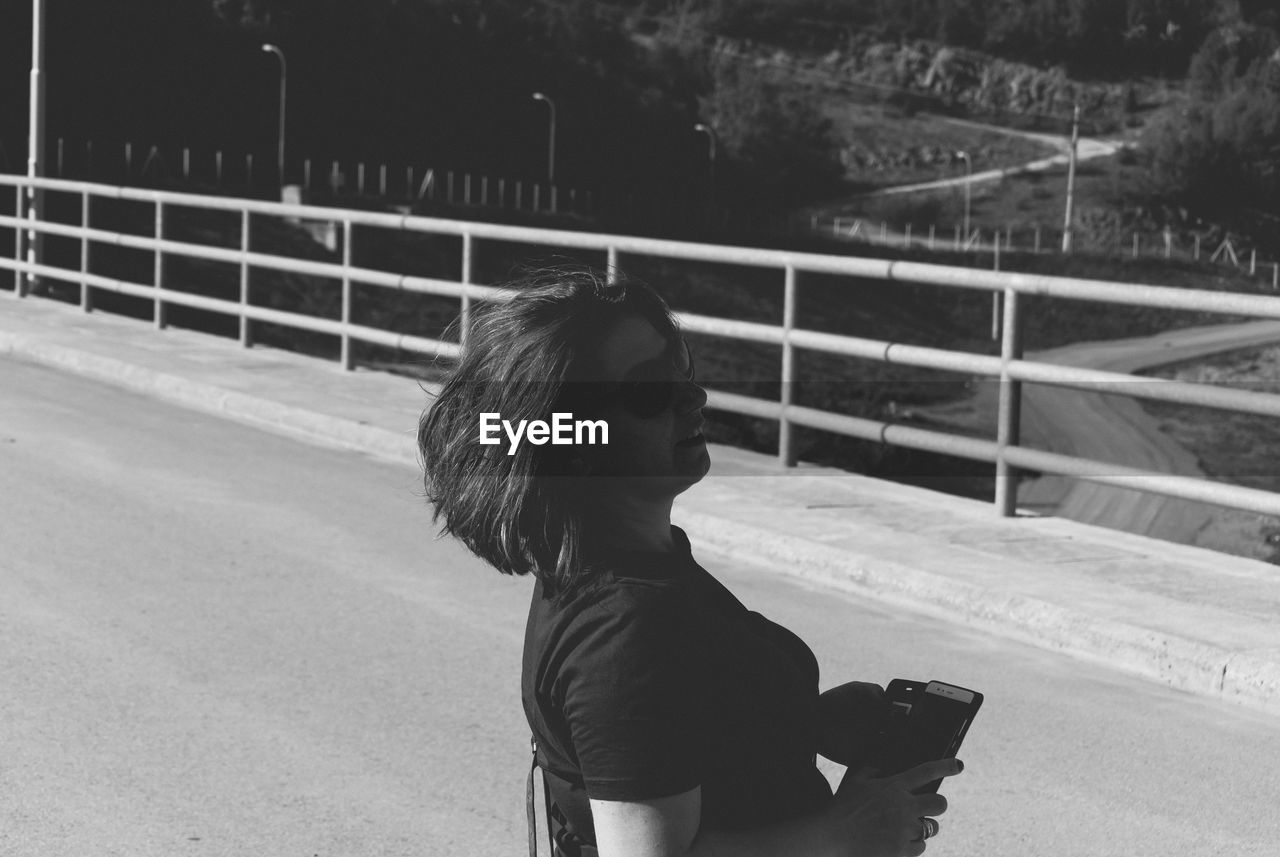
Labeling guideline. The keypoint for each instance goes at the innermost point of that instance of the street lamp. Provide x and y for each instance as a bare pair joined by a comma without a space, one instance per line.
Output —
35,147
280,154
551,138
711,148
968,186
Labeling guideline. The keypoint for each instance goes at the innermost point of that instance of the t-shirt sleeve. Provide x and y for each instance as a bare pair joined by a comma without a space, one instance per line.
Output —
636,697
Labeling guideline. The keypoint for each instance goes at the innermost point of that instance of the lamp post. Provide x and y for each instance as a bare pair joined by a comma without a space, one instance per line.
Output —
551,138
35,143
711,149
280,153
968,190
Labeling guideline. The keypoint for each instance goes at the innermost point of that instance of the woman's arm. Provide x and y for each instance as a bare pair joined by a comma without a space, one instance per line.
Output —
851,716
867,818
668,827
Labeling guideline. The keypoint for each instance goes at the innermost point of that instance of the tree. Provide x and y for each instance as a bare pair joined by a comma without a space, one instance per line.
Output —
1221,152
781,148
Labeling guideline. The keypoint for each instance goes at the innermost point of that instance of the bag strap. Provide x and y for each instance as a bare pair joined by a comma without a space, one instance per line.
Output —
560,841
528,801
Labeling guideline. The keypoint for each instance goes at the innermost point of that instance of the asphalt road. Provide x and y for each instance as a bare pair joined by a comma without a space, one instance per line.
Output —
217,641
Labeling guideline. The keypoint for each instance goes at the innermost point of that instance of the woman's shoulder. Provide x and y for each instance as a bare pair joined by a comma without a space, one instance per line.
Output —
612,592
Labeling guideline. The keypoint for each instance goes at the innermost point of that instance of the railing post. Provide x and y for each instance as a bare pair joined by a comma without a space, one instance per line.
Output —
158,279
611,263
86,298
468,250
246,331
348,242
20,194
995,296
786,440
1009,419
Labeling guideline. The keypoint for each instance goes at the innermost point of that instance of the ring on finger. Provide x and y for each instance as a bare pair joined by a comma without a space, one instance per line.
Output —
928,827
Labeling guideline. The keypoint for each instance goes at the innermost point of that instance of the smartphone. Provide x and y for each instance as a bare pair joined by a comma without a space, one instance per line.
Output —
927,721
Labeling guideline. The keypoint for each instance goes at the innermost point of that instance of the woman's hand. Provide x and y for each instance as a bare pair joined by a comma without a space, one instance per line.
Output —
880,817
852,715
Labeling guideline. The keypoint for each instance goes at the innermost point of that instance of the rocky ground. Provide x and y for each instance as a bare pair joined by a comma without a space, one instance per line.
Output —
1240,448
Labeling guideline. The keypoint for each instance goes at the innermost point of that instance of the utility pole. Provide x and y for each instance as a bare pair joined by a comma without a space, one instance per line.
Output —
35,141
1071,178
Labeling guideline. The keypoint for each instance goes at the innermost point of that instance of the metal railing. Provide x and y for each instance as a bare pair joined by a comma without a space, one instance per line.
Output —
1009,368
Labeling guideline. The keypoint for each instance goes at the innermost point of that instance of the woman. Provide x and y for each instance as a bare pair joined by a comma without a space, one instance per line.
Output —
670,720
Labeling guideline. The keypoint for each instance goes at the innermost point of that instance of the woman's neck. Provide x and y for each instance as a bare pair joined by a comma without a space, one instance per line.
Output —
633,524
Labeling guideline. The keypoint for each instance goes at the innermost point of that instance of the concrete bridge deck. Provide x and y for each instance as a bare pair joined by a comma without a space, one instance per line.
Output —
1188,618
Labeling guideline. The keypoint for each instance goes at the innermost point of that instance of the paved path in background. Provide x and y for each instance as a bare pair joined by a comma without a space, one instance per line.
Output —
1087,149
221,642
1116,428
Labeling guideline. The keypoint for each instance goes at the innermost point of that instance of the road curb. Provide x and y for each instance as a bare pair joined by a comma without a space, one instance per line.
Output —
1249,678
251,410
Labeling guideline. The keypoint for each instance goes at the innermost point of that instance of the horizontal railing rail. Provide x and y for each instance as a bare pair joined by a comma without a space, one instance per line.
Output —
1009,368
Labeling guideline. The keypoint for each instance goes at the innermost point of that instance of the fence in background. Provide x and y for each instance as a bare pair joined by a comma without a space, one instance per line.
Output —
1005,451
336,180
1121,244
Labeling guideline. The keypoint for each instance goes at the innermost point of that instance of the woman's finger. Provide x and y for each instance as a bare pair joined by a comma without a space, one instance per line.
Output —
931,804
918,776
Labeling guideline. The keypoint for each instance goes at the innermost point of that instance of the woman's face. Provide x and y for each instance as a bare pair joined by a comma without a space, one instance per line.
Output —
651,456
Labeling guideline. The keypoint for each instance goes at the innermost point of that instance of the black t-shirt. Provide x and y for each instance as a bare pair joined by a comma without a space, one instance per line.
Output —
657,680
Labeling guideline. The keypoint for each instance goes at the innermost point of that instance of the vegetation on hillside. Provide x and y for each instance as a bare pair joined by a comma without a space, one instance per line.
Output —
1219,152
1100,38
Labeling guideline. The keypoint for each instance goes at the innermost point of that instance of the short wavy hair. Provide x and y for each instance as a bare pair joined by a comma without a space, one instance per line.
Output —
525,513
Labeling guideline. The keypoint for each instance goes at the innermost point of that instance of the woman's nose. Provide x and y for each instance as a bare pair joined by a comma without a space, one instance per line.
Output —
690,397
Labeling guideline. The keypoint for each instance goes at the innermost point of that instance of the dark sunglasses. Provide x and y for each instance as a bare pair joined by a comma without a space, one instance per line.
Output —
650,387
